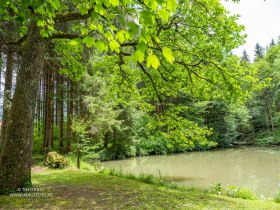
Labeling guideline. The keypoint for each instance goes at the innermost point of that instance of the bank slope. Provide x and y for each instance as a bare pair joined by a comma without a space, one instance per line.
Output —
74,189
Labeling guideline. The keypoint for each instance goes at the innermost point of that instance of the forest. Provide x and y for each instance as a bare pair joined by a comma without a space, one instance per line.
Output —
101,80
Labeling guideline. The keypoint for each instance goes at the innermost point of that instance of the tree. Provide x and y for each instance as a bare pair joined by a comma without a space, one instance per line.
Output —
49,107
259,52
245,57
201,45
264,105
272,43
10,30
60,107
15,159
7,92
70,109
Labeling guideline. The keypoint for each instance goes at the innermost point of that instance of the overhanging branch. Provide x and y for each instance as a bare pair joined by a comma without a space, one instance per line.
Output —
65,36
71,16
152,82
65,17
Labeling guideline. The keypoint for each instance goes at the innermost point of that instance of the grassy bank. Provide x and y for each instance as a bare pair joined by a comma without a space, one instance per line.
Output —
74,189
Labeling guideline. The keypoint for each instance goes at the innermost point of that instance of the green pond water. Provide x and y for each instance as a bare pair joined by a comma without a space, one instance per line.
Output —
257,169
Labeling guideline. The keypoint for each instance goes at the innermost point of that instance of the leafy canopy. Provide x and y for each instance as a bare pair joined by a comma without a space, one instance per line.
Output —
163,50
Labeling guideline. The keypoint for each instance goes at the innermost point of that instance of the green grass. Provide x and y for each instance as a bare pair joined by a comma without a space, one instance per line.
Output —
81,189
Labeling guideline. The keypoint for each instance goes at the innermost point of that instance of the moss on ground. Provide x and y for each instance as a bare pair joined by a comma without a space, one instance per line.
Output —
74,189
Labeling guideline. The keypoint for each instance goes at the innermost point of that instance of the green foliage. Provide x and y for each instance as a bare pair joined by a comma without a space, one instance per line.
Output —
69,54
38,139
230,122
232,191
132,71
259,52
164,14
152,60
277,198
240,193
264,137
153,146
216,189
55,160
168,54
264,105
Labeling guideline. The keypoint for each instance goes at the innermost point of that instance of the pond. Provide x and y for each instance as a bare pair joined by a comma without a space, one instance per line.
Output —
257,169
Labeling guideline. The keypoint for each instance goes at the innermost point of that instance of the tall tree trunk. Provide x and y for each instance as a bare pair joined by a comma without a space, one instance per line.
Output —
115,139
16,157
56,82
1,61
69,116
106,140
76,97
38,121
277,105
60,109
78,157
46,109
45,96
43,80
7,92
49,109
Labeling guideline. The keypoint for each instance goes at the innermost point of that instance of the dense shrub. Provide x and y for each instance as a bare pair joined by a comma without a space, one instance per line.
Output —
55,160
232,191
277,198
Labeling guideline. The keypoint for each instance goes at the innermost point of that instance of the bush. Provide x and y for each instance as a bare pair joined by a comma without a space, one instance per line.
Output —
152,146
277,198
240,193
55,160
216,189
232,191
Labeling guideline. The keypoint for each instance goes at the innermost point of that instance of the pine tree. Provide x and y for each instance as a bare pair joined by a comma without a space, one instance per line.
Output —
259,52
272,43
245,57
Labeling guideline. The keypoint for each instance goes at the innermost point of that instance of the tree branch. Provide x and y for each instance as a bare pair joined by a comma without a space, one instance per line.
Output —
70,16
65,36
152,81
18,42
127,44
65,17
187,66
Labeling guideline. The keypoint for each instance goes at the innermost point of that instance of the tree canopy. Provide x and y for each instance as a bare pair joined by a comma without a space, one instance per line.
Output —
156,51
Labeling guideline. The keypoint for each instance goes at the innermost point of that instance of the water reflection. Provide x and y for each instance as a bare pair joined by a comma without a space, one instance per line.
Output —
255,168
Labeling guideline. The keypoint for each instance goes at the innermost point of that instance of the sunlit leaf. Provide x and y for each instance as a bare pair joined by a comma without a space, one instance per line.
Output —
153,61
114,46
167,53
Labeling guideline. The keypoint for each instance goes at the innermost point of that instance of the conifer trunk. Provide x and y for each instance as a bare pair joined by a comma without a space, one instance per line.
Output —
69,116
38,121
46,110
60,109
7,92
